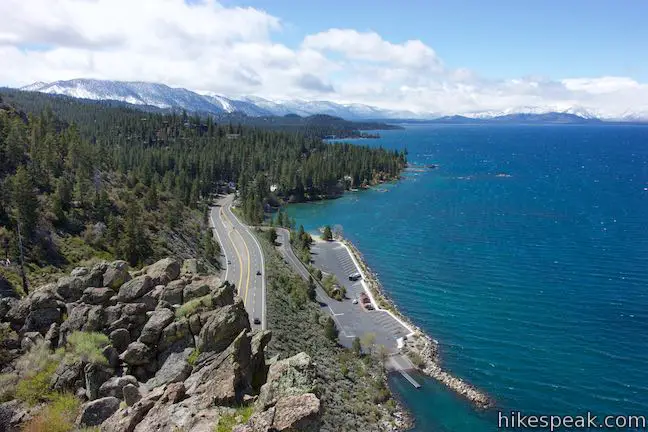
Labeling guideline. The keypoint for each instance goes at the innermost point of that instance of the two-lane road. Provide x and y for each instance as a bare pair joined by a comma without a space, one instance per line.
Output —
244,263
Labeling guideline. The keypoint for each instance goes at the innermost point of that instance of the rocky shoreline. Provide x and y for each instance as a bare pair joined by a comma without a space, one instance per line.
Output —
420,348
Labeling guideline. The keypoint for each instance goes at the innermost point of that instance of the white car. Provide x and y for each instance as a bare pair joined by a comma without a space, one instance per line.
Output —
355,301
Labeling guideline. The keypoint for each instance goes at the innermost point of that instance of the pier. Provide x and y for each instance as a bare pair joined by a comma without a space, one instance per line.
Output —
401,364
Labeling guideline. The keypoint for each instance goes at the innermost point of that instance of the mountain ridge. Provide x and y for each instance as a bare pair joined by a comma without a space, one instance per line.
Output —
166,97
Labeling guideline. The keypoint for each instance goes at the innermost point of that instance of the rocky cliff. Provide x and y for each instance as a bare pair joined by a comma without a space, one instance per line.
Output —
164,348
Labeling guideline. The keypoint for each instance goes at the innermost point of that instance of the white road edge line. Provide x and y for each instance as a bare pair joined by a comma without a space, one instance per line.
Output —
221,242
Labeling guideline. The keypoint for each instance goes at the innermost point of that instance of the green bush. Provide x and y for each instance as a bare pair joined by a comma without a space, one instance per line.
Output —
36,388
227,421
87,347
8,384
58,416
193,356
193,306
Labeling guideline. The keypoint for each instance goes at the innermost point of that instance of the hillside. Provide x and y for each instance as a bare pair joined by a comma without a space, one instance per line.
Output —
88,181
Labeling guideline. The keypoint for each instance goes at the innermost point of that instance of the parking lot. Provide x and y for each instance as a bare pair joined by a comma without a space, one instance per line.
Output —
352,319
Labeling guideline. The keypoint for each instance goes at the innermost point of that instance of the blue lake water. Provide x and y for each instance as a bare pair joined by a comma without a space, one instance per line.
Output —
535,284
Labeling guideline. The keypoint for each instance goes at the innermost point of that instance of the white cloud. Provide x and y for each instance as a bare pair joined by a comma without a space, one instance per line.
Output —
206,46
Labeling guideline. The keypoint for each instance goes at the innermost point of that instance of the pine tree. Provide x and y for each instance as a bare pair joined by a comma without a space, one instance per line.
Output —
25,200
134,244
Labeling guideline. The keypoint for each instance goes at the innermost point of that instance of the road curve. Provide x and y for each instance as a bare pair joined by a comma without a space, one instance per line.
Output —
243,259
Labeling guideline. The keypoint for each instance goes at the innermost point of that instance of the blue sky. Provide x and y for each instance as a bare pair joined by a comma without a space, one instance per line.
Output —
498,39
425,57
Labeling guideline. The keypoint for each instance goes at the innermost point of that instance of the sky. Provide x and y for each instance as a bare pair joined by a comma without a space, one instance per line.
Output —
424,56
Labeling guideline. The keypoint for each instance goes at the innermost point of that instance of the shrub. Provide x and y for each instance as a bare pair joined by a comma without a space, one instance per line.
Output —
193,306
86,346
58,416
36,359
193,356
36,388
8,384
227,421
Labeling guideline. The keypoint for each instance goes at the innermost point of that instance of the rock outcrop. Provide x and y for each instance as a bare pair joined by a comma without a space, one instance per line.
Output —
157,367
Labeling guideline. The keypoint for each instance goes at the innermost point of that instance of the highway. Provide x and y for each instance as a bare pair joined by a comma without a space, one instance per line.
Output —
243,259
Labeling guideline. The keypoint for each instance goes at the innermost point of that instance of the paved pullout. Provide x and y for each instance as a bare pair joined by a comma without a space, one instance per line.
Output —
351,319
243,258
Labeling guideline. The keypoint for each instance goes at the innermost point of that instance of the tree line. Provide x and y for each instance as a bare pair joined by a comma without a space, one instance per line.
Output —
97,171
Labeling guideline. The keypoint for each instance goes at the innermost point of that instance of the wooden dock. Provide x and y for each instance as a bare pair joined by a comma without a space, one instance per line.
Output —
401,364
409,378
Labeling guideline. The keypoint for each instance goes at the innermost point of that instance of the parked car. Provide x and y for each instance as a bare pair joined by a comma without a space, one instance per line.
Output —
257,321
355,301
354,276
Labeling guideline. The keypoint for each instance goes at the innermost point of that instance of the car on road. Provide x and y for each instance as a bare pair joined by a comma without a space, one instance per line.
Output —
258,272
355,301
257,321
229,262
355,276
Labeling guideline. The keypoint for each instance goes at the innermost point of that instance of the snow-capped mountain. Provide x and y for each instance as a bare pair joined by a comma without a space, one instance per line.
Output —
575,110
163,96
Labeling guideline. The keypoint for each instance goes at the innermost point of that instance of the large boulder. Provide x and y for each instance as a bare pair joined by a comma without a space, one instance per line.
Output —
224,295
97,411
131,394
176,337
222,378
258,368
135,288
17,313
153,328
164,271
6,303
95,376
116,275
120,338
77,317
300,413
115,385
126,420
132,318
95,321
40,320
97,296
70,288
289,377
297,413
136,354
222,327
192,266
176,368
172,293
68,376
44,298
194,290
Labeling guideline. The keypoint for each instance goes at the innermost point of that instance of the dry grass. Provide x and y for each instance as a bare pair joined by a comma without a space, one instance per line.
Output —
58,416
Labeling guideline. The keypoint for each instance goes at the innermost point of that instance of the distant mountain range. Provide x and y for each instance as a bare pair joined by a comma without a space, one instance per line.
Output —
164,97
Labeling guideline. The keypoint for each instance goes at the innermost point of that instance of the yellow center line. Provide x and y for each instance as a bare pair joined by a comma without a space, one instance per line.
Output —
229,234
249,275
247,284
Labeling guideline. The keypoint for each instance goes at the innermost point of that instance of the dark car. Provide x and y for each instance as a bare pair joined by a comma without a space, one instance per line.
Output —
257,321
258,272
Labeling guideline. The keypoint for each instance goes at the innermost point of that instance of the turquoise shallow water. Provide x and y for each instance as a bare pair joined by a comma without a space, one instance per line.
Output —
535,285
